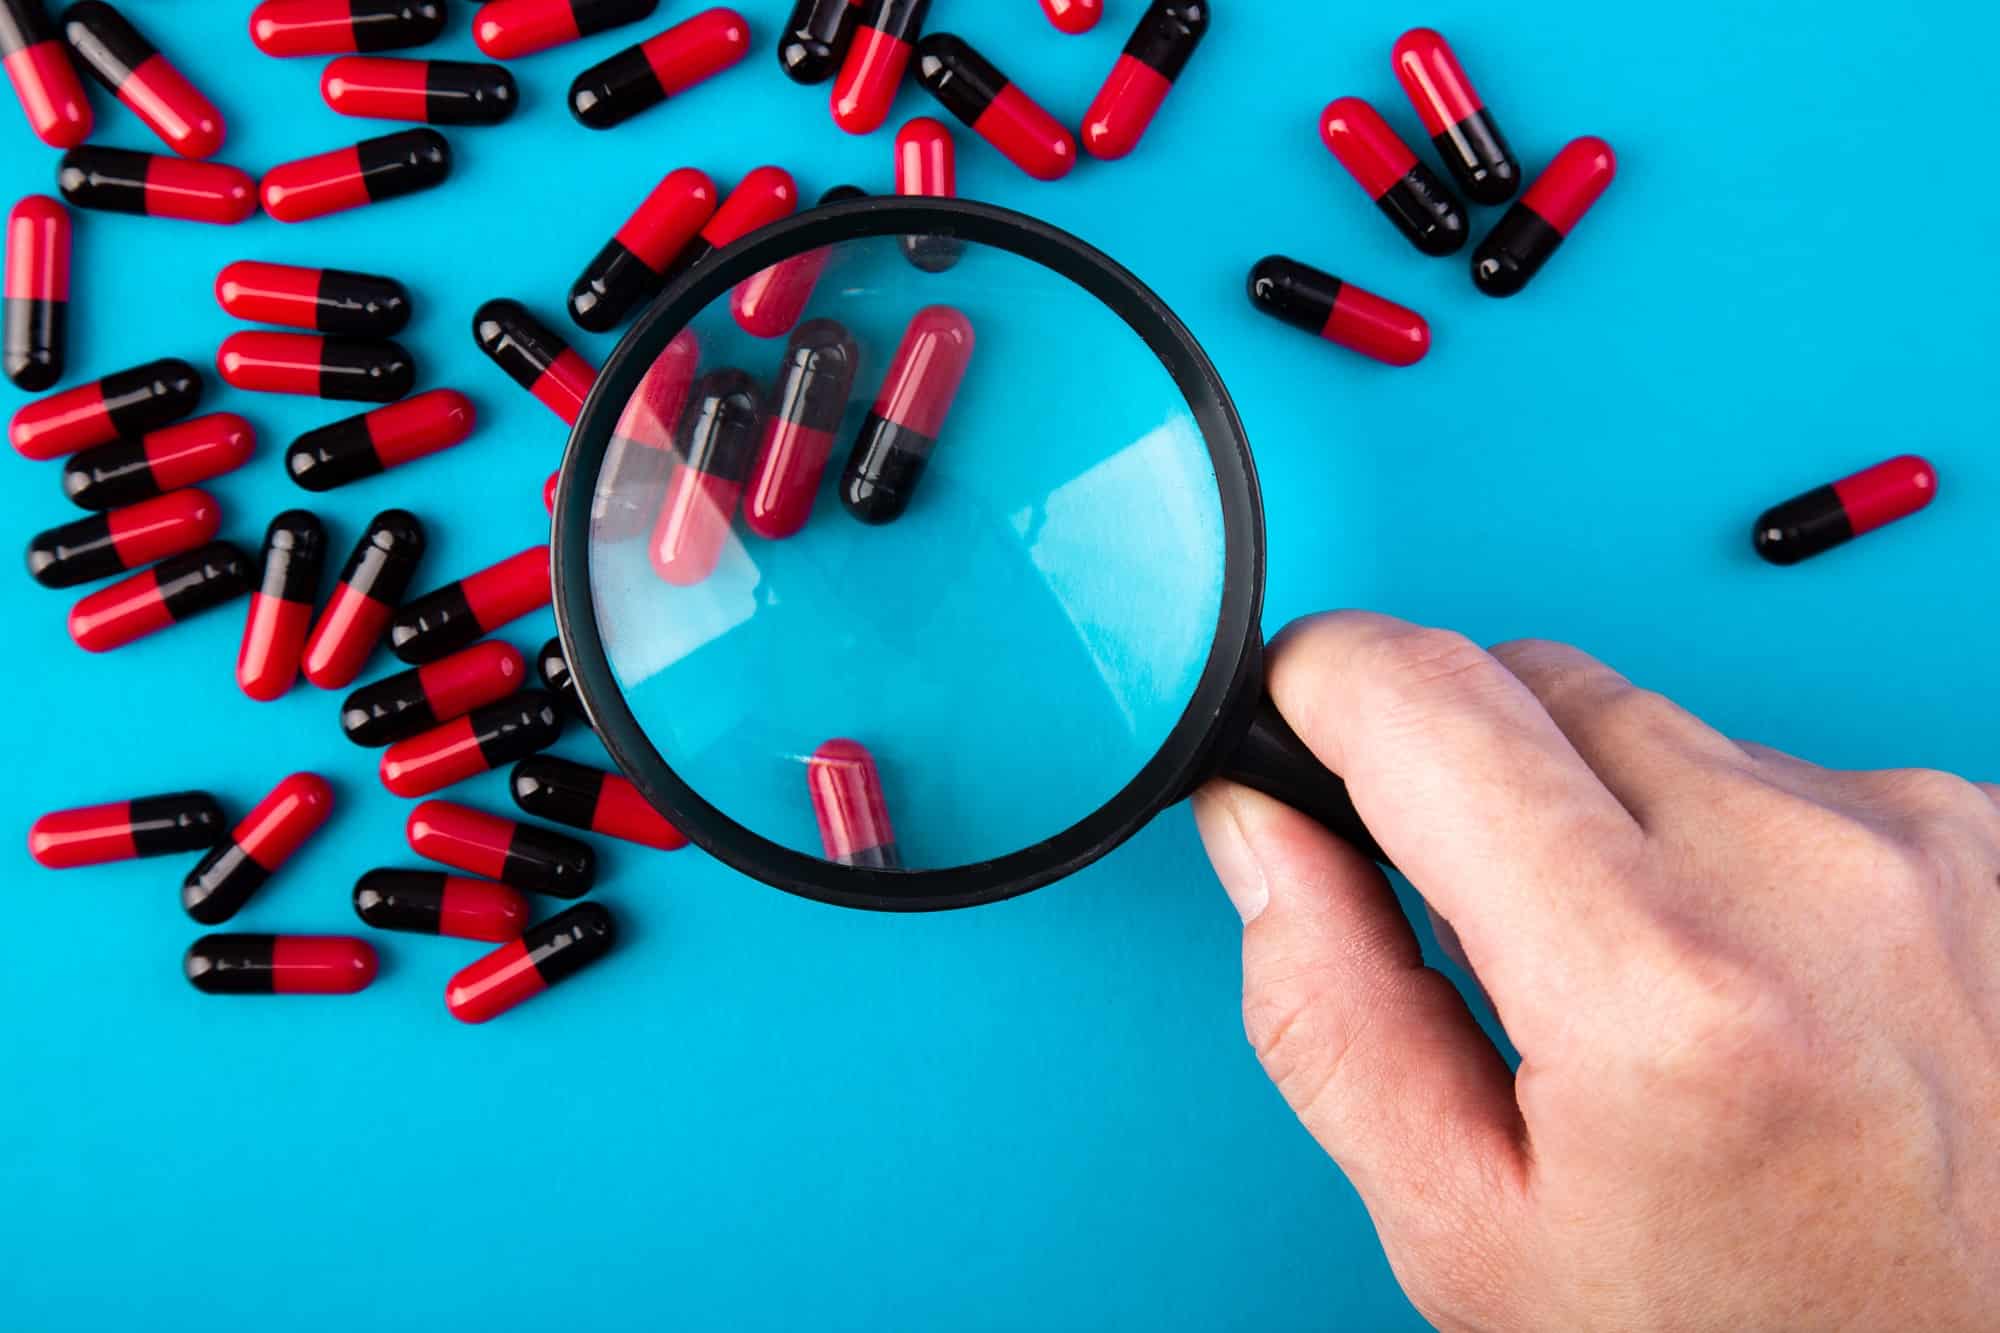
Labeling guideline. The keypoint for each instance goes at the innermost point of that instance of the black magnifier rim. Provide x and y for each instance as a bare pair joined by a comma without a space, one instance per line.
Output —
1189,751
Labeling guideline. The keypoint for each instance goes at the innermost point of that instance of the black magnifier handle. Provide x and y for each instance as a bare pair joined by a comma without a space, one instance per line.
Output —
1272,759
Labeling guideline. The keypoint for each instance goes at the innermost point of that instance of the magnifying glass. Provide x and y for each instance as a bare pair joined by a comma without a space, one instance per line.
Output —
909,555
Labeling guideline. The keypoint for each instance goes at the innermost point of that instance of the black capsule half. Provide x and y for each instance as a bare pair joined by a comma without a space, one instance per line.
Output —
815,39
553,667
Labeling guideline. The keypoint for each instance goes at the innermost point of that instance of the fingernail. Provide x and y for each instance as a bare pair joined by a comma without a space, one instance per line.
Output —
1241,873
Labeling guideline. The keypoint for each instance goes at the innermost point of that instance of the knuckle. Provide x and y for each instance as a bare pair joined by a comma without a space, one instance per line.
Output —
1726,1030
1638,717
1925,793
1420,657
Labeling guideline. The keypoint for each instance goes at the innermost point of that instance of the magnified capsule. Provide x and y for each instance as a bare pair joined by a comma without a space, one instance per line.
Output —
37,292
127,471
637,261
128,402
371,172
533,357
718,438
1423,208
151,600
553,667
372,443
927,167
526,856
324,300
409,702
465,747
847,803
816,37
440,623
354,370
590,798
509,29
1529,232
281,608
639,458
1830,516
969,86
258,847
665,65
552,951
877,58
815,382
118,540
425,902
144,80
279,965
90,835
1166,37
39,67
370,586
761,198
1339,312
1473,149
118,180
336,27
769,302
430,92
896,441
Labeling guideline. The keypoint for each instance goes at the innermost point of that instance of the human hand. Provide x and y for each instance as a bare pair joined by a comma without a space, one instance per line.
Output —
1757,1003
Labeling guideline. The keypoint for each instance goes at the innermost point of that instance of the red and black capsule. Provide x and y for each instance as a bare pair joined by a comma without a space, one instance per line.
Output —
815,381
281,608
552,665
143,79
1167,35
171,591
552,951
644,252
337,27
425,902
509,29
124,403
1340,312
968,85
815,39
927,167
1463,130
533,357
769,302
372,443
640,457
590,798
118,540
1423,207
896,440
526,856
119,180
90,835
1833,515
759,199
39,67
877,58
847,803
409,702
127,471
37,292
223,881
324,300
430,92
279,965
371,172
717,441
1074,17
441,622
467,746
348,370
665,65
370,586
1529,232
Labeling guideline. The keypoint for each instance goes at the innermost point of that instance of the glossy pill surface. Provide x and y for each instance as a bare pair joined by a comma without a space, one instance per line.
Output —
118,540
441,622
769,302
718,438
335,27
644,252
592,799
36,311
552,951
428,903
129,470
371,172
153,599
509,29
815,38
372,443
135,72
118,180
1532,230
927,167
846,791
1461,128
1074,17
533,357
1339,312
361,370
38,65
553,667
370,587
897,439
231,964
640,456
815,381
878,56
409,702
526,856
969,86
128,402
281,607
431,92
483,739
256,848
1159,49
1409,193
759,199
639,77
324,300
1833,515
182,821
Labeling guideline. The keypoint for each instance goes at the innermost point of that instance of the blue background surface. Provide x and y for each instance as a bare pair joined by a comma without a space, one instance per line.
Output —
766,1114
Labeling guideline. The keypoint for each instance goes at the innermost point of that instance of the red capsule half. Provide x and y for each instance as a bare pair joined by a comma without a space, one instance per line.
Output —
1529,232
279,965
117,540
431,92
1153,59
371,172
589,798
182,821
896,440
224,880
1423,208
815,381
877,58
37,292
428,903
770,301
441,622
376,441
352,622
1339,312
1074,17
38,65
336,27
1833,515
644,252
526,856
128,402
324,300
118,180
465,747
639,77
927,167
1461,128
550,952
759,199
126,471
411,702
168,593
365,370
274,633
847,802
968,85
143,79
509,29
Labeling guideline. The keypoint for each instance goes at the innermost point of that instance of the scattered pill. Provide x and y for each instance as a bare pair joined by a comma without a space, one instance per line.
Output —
847,804
927,167
90,835
126,471
815,381
371,172
717,442
465,747
351,623
279,965
613,91
508,29
526,856
1423,207
441,622
151,600
336,27
428,903
352,370
1474,151
38,65
877,58
896,441
260,844
968,85
553,667
430,92
119,180
1833,515
118,540
816,37
126,402
37,292
533,357
409,702
1529,232
769,302
590,798
759,199
552,951
639,457
1339,312
281,607
324,300
644,252
144,80
1167,35
372,443
1074,17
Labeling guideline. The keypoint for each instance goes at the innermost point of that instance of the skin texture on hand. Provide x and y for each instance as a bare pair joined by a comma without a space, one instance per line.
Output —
1757,1003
